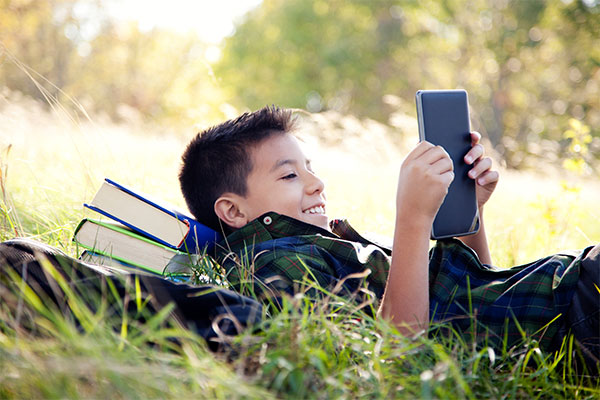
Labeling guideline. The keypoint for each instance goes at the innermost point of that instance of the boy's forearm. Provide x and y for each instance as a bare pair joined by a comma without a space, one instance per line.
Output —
478,242
406,298
423,183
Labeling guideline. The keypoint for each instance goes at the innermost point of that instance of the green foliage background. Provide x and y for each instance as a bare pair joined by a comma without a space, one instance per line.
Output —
530,66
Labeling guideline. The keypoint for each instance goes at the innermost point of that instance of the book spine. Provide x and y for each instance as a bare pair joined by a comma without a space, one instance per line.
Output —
199,237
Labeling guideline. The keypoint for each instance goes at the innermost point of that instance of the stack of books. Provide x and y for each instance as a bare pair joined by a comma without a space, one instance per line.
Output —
144,234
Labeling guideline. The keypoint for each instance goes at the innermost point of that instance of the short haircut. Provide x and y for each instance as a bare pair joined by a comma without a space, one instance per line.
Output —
218,160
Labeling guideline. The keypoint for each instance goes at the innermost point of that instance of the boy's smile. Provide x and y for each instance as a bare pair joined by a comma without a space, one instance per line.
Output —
282,181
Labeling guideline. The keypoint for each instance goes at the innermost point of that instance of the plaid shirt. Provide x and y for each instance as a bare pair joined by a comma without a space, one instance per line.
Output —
282,251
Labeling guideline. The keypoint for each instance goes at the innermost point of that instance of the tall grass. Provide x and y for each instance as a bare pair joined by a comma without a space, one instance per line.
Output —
94,352
310,349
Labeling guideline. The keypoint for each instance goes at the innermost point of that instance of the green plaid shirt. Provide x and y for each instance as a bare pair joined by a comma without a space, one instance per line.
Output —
276,253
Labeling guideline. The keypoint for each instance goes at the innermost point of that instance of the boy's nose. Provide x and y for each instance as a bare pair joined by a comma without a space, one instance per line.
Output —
314,184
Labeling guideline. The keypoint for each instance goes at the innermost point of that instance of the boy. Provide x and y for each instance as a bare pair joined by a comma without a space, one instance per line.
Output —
249,178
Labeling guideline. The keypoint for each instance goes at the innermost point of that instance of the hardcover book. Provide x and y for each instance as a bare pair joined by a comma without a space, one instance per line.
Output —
110,264
119,243
157,220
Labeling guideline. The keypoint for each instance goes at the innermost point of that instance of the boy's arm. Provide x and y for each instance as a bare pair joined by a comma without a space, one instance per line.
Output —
425,176
485,183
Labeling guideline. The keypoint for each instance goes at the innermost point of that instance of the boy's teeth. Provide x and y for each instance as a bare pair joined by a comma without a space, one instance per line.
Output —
315,210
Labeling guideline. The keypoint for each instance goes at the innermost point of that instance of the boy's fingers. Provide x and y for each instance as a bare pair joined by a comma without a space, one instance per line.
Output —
488,177
475,153
483,165
442,165
475,138
433,154
449,177
419,150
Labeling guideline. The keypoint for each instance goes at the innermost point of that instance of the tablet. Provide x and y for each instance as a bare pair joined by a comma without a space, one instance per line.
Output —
443,117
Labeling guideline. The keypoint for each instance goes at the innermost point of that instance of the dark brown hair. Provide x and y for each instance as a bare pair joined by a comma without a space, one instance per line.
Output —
218,160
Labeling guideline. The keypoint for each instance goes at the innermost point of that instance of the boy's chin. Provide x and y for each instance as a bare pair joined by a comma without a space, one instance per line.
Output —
319,220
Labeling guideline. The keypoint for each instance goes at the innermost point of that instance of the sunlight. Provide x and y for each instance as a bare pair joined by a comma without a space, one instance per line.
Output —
210,20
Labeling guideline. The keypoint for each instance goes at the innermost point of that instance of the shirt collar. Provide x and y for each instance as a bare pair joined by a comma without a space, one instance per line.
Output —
272,225
269,226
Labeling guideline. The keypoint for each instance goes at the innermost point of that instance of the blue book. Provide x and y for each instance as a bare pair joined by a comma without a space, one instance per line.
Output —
153,218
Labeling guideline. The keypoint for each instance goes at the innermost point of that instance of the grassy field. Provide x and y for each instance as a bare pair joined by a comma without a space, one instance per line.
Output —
51,164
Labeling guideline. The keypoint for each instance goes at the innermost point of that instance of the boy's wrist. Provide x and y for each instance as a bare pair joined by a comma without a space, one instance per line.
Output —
414,222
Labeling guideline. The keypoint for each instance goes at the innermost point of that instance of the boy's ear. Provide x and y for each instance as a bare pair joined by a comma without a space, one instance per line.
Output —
227,208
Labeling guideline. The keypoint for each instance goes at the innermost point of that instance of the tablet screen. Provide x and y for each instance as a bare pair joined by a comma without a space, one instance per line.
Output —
444,120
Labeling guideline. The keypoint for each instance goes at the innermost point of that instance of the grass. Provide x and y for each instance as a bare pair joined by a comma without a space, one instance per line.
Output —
315,350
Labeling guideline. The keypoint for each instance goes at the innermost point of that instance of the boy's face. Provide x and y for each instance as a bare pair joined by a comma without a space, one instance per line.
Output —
282,181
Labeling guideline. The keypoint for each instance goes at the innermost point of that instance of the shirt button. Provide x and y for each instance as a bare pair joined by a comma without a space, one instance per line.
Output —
267,220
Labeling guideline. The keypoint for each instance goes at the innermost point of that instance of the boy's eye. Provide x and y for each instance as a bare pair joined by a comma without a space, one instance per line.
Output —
290,176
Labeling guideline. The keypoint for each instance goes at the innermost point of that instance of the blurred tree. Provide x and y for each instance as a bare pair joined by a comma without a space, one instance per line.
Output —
157,73
314,54
35,32
52,47
528,66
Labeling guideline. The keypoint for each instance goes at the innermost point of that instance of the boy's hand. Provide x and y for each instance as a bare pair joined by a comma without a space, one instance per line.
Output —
425,176
485,178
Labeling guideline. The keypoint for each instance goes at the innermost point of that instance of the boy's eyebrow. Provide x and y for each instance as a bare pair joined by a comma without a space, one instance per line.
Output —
287,161
281,163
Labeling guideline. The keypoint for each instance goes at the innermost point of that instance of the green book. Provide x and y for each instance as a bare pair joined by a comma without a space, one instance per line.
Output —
120,243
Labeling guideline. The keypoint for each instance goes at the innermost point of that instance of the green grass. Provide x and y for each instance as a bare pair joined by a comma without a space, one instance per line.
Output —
325,349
